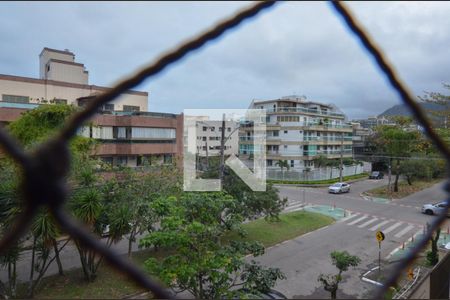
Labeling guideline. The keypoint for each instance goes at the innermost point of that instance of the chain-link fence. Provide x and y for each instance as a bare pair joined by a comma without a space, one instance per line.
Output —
318,174
44,170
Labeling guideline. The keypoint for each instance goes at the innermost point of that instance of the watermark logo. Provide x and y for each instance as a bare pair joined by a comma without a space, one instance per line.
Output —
243,140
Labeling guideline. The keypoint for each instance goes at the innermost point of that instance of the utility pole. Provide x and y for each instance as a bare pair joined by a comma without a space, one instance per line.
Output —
342,157
207,159
389,176
222,152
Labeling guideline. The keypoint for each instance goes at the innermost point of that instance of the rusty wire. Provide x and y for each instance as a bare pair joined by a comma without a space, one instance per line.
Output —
45,169
52,158
407,97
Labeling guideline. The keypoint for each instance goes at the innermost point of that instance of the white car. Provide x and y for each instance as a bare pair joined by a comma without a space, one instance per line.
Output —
435,209
339,187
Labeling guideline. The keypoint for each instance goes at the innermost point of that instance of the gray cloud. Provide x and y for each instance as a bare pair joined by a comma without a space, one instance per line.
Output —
297,47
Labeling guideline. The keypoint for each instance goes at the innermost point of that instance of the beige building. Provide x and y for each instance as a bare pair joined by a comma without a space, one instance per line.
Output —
62,80
209,134
127,134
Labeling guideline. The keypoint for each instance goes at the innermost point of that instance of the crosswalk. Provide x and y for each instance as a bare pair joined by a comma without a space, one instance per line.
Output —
390,227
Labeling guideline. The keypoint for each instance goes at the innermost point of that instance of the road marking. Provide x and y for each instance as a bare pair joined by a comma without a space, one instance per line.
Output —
357,220
401,233
379,225
368,222
349,217
295,206
392,227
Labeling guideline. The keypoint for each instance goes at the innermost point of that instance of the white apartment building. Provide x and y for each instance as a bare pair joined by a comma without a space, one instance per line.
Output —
62,80
299,131
209,134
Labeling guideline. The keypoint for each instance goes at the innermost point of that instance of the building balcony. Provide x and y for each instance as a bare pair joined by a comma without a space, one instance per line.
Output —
303,111
111,148
18,105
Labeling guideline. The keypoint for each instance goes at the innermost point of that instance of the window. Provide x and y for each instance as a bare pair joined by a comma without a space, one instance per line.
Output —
204,138
288,118
285,146
107,160
285,132
108,107
102,132
276,133
167,158
204,128
60,101
229,129
131,108
15,99
120,132
152,133
220,129
213,128
292,163
121,160
269,162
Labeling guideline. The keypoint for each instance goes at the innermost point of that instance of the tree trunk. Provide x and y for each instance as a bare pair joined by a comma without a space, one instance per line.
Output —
58,259
397,175
333,294
408,179
30,283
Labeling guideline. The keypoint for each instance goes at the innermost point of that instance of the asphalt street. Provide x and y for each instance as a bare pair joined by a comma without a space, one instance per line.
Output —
304,258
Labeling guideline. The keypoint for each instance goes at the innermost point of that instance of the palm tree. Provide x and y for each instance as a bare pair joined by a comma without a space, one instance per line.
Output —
283,164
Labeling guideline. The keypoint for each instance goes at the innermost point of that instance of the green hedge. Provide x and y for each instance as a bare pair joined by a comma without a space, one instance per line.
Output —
327,181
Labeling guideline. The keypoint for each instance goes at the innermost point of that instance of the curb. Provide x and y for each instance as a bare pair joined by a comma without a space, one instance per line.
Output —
363,278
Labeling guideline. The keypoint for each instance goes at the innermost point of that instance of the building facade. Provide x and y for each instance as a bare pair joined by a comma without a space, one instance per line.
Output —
299,131
209,135
126,133
62,80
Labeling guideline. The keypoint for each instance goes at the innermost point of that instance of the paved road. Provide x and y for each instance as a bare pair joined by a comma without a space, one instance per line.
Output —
304,258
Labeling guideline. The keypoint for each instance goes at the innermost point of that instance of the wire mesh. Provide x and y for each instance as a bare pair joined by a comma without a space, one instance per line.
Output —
44,170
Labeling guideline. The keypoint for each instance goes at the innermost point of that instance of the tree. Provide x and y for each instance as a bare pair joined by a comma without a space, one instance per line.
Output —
320,161
250,204
9,208
433,254
332,163
282,164
203,262
397,142
342,260
44,233
140,192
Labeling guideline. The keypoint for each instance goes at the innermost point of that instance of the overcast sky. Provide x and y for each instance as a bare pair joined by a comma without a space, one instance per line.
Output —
294,48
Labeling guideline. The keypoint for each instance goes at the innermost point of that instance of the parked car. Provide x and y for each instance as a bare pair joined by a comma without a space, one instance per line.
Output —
435,209
340,187
376,175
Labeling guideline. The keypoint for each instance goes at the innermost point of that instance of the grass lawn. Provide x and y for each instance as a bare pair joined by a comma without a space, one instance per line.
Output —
110,284
404,189
291,225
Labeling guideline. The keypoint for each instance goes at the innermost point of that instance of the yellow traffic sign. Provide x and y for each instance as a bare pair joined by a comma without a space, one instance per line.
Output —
410,274
380,236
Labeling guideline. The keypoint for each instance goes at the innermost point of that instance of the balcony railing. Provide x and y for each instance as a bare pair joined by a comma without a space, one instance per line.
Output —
18,105
304,110
327,139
